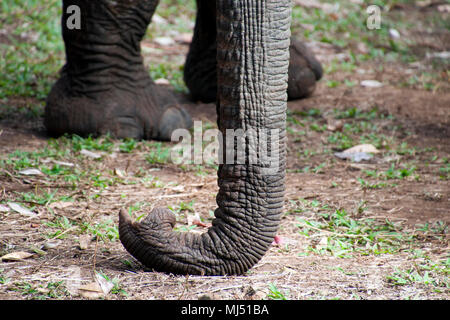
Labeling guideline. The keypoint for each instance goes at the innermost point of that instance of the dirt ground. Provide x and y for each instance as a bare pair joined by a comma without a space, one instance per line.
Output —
414,126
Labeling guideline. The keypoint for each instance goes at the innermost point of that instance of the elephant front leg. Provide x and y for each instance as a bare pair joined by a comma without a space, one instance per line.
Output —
104,87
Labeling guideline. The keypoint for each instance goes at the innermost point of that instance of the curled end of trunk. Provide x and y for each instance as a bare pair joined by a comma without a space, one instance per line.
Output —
222,250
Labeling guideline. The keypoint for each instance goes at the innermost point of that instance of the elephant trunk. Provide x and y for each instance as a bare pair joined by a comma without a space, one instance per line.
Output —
253,58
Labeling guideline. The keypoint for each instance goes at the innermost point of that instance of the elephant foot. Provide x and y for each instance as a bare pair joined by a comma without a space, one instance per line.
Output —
142,113
104,86
304,71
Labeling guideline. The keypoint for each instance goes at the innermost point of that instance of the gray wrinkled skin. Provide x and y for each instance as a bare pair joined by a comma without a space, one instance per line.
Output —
200,74
104,86
253,57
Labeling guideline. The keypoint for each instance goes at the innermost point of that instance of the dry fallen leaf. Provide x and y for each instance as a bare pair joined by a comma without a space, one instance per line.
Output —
84,240
91,290
179,188
334,125
63,163
90,154
18,208
192,219
323,243
16,256
119,173
162,82
369,148
105,285
51,244
371,84
164,41
184,38
31,172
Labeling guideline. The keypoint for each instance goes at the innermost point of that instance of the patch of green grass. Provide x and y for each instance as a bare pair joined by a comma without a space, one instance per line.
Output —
183,206
171,72
117,288
341,140
103,143
332,83
3,280
104,231
128,145
392,173
342,235
19,160
398,173
159,154
275,293
318,128
405,149
355,113
51,290
62,225
444,171
425,273
344,25
179,16
436,230
30,110
40,198
99,180
34,52
379,185
318,169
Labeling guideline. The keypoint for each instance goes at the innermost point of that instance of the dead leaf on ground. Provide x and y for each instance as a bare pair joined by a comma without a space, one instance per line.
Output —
16,256
162,82
18,208
184,38
369,148
334,125
31,172
90,154
91,290
84,240
164,41
105,284
371,84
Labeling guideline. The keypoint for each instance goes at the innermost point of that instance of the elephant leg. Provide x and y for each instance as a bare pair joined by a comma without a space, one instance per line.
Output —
304,71
200,71
104,87
252,55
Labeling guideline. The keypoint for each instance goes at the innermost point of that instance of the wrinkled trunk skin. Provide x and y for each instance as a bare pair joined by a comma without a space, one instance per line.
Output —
253,57
104,86
200,73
